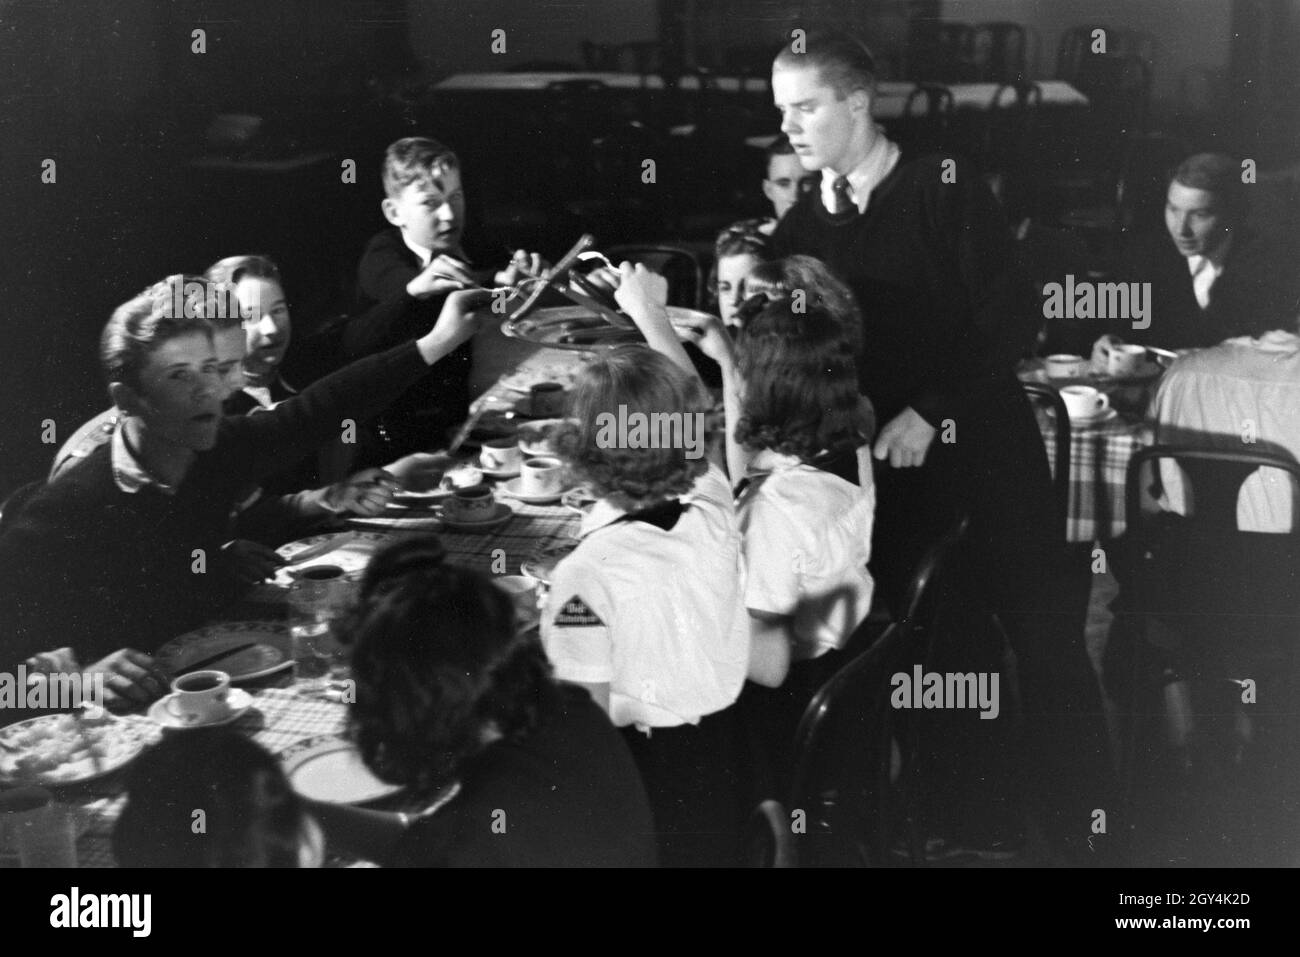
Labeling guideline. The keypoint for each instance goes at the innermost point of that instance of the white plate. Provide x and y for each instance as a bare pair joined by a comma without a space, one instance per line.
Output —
272,653
352,556
502,515
240,701
118,740
512,489
501,473
328,767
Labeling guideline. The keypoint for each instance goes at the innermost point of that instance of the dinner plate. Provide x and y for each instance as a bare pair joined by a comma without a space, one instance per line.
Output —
501,514
542,565
352,555
328,767
513,490
240,701
272,653
55,750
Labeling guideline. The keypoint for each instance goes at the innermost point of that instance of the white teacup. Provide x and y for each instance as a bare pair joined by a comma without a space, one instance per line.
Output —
1084,402
473,504
1063,366
501,455
200,697
541,476
1125,360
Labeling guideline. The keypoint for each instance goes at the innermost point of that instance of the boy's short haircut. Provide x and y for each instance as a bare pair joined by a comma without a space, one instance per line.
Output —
412,158
228,272
632,379
778,147
801,382
178,305
843,62
1215,173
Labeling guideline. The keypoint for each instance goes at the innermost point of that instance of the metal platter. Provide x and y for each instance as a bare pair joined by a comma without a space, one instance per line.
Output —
583,330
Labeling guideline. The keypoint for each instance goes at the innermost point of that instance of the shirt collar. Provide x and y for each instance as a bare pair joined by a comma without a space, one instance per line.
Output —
768,461
603,513
425,255
867,175
129,475
1215,261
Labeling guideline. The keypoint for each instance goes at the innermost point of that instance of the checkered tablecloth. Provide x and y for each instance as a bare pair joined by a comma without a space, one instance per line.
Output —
1099,457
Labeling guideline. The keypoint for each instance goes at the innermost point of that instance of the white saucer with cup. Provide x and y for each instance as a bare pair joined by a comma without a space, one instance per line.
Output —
1062,366
1125,360
1084,403
541,477
468,505
200,697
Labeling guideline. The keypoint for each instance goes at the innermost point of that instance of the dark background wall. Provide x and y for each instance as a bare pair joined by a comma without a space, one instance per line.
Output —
112,92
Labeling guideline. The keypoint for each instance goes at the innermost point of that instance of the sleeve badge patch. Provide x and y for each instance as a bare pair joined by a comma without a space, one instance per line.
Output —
576,614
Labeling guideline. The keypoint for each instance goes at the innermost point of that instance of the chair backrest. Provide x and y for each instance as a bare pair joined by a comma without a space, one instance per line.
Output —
1074,47
769,837
844,746
1002,51
1040,392
1217,567
681,267
13,505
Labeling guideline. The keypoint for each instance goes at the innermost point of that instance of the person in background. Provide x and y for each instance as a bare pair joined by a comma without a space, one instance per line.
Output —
451,693
785,176
1214,278
738,250
251,815
647,612
403,279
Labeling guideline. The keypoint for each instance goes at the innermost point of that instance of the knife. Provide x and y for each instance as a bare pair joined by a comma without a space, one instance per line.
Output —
213,659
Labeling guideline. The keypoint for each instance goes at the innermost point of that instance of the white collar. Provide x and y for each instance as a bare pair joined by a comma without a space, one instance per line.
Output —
867,175
1215,262
129,475
1277,341
765,460
603,513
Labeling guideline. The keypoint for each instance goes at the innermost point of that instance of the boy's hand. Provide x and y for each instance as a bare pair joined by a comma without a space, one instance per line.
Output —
366,493
251,562
642,294
457,323
443,274
130,678
420,471
905,440
523,265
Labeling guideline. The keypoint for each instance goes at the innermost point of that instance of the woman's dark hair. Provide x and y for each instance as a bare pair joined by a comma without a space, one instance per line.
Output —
250,815
800,382
438,661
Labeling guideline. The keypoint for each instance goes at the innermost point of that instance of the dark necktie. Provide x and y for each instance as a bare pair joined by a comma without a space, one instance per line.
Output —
840,191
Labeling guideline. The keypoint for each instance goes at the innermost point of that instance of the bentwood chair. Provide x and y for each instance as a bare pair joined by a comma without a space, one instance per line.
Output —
681,267
12,505
1232,597
1038,392
858,760
769,837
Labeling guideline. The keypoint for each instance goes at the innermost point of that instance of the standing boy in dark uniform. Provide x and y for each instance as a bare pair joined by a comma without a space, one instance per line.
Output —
945,317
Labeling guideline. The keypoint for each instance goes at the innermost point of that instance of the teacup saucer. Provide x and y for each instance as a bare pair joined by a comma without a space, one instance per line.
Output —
240,701
501,514
1103,416
513,489
505,473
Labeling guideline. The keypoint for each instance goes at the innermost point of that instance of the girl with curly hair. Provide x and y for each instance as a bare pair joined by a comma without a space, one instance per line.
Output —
451,693
647,611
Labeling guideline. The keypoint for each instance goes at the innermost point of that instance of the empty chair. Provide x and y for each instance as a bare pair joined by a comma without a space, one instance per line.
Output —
681,267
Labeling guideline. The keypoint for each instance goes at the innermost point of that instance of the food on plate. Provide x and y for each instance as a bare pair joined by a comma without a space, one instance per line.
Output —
59,748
